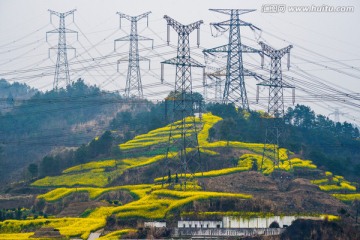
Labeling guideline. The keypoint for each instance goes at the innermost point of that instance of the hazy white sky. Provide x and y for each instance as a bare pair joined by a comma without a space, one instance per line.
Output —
23,48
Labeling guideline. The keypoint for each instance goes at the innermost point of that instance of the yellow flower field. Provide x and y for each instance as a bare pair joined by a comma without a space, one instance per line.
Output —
156,203
91,165
160,135
15,236
347,197
94,193
343,186
333,183
67,226
96,179
94,175
116,234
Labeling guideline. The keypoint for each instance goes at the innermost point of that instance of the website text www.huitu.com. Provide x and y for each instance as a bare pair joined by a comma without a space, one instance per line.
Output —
282,8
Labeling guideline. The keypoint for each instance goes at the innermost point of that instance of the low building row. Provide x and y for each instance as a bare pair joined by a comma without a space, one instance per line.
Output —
231,222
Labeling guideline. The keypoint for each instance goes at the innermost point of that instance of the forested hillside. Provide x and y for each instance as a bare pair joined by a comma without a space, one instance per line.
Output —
55,120
332,146
13,94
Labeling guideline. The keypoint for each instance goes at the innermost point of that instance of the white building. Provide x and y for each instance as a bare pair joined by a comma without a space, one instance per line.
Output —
200,224
239,222
155,224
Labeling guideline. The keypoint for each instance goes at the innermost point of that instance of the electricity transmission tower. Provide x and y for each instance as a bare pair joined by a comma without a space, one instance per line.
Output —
337,114
216,82
186,145
62,64
275,121
234,90
133,79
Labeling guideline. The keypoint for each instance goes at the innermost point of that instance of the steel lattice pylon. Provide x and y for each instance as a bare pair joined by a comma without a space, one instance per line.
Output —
62,65
234,90
133,79
275,120
186,145
216,82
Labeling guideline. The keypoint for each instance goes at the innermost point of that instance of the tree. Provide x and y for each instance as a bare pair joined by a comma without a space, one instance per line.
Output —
49,166
81,154
10,99
18,213
212,133
105,142
301,116
274,224
169,176
226,128
223,110
254,165
176,178
33,170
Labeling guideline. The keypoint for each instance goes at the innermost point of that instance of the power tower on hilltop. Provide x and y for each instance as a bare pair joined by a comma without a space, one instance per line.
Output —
234,91
62,64
337,114
133,79
275,121
216,82
186,145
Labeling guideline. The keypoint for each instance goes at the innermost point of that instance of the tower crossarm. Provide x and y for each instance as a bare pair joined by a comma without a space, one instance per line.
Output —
133,37
139,38
217,72
225,49
273,53
178,62
252,74
267,83
180,28
57,30
126,59
65,30
133,18
232,11
229,22
61,14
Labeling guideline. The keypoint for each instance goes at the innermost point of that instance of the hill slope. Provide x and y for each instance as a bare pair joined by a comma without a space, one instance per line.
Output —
138,186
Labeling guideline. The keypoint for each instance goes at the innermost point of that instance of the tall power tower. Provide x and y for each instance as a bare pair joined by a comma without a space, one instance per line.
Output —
275,121
183,101
62,64
133,79
234,90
